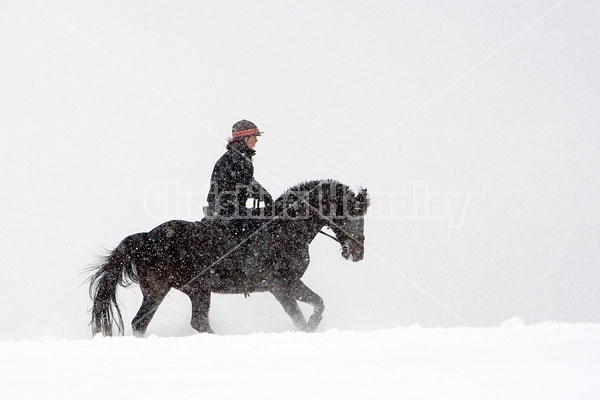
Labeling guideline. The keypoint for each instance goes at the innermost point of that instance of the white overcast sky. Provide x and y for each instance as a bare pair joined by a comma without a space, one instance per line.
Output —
104,102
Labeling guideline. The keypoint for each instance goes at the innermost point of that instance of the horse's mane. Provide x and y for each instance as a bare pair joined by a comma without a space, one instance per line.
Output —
313,184
325,192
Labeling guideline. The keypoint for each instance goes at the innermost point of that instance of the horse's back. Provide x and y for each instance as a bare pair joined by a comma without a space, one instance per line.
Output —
172,227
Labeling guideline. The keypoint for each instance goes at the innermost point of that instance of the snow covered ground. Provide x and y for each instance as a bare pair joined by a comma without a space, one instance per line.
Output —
544,361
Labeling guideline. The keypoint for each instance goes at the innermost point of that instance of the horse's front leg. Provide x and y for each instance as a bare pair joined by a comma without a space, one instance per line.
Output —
304,294
284,294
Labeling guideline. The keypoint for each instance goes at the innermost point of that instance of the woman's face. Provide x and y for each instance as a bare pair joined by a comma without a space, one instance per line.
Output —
251,141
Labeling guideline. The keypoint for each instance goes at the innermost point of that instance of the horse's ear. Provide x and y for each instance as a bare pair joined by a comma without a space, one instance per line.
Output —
362,202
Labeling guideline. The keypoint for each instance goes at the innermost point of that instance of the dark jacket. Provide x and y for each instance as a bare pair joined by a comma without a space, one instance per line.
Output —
232,182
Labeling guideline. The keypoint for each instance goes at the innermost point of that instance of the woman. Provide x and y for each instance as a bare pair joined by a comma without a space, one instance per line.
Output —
232,181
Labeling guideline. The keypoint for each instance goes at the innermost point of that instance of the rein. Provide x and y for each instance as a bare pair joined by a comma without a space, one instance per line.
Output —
331,236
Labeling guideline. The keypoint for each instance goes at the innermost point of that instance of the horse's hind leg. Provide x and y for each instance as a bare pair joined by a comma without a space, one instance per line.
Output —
153,296
200,299
304,294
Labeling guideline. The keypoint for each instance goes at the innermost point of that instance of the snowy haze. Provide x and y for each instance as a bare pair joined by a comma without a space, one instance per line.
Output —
113,113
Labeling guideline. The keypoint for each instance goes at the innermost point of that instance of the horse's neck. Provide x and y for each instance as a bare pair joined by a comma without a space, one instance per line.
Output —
314,228
304,230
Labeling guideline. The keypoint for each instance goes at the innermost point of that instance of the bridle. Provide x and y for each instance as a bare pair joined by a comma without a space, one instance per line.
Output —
340,241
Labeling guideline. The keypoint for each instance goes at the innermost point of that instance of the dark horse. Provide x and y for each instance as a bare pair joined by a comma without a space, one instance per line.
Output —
198,258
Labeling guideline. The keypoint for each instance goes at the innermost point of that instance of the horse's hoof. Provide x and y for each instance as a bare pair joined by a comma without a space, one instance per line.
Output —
139,334
204,329
313,323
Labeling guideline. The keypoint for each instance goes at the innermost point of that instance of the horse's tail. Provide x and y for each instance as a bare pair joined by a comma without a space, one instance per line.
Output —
115,269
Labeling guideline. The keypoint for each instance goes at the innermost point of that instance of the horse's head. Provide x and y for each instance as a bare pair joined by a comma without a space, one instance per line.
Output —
330,203
349,226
